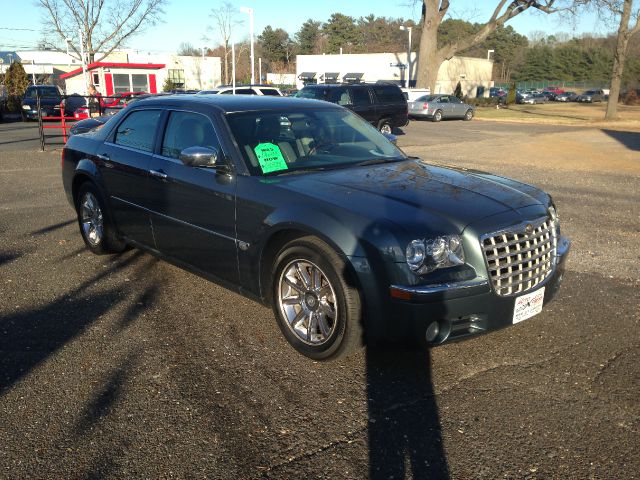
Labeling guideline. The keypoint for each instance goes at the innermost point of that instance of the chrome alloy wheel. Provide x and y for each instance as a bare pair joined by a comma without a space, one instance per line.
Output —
91,219
386,128
307,301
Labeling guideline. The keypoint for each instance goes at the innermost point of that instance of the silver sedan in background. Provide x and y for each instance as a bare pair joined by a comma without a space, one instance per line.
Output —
437,107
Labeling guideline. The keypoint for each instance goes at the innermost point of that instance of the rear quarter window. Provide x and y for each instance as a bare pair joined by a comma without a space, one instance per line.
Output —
388,94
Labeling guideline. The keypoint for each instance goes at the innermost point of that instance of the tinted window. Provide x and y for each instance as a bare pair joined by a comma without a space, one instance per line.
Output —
45,92
339,96
455,100
239,91
361,96
388,93
315,93
444,100
186,130
270,91
138,130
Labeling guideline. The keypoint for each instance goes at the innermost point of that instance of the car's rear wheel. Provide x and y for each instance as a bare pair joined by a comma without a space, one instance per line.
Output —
385,126
437,116
468,115
97,231
315,303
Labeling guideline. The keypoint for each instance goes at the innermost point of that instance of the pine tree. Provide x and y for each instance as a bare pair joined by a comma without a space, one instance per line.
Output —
16,82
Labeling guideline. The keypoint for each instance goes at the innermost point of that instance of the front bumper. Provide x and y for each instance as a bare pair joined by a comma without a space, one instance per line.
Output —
449,312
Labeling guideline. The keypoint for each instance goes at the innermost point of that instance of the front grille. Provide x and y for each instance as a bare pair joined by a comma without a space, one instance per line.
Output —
518,260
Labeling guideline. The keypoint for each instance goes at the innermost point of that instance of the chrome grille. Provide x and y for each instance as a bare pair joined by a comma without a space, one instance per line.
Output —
522,257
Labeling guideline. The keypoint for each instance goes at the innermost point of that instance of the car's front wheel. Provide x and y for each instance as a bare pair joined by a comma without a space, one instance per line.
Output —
317,307
97,231
468,115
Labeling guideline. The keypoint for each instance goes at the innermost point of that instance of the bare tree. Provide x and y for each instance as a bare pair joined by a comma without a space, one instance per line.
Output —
225,21
434,11
105,24
628,17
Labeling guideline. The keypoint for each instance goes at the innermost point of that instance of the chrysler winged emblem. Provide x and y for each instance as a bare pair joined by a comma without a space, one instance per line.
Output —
528,229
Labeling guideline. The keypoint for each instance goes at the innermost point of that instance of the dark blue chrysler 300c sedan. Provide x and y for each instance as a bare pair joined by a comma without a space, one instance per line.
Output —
304,206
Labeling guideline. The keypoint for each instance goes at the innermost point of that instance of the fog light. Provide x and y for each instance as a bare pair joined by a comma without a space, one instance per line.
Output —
432,332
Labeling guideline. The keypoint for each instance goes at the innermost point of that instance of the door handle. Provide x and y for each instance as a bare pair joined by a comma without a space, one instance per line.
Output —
157,174
106,159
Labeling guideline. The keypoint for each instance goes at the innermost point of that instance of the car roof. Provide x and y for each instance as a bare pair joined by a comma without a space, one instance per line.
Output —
235,103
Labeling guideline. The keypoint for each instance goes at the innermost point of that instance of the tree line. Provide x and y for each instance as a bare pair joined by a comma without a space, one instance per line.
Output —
517,57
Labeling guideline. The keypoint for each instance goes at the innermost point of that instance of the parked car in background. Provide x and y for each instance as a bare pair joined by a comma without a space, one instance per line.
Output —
497,92
440,107
591,96
111,105
383,105
412,94
535,98
50,101
566,97
301,205
254,89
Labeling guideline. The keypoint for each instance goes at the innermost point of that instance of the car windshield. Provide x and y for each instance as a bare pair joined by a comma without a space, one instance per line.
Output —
45,92
282,142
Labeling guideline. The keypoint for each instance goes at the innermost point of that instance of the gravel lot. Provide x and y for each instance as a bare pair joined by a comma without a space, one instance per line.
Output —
127,367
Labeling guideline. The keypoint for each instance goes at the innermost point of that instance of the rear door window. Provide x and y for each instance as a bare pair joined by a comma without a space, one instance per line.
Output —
138,130
361,96
270,91
340,96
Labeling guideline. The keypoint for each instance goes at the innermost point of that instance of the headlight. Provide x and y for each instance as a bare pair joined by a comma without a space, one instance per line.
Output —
26,107
426,255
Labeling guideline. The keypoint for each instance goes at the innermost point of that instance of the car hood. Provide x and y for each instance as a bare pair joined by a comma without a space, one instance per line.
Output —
414,194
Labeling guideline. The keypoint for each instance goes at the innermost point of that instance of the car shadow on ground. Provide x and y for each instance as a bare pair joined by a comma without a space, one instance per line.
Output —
631,140
31,336
405,438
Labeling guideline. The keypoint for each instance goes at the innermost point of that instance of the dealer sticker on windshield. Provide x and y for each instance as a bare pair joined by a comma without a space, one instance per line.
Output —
270,157
528,305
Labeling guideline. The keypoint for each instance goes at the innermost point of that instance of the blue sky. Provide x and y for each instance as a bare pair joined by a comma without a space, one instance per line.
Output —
187,20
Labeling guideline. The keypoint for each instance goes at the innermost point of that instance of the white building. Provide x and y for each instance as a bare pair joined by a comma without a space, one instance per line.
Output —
474,74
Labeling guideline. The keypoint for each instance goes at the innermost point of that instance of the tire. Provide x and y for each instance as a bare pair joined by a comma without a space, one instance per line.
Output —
96,229
310,284
385,126
468,115
437,116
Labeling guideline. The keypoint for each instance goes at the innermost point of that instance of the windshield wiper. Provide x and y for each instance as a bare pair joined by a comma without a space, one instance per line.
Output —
378,161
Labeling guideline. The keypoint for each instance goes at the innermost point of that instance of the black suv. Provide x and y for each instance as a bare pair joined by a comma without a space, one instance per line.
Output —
381,104
51,97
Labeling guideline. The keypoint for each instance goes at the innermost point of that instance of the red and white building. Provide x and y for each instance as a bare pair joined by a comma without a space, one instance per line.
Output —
112,78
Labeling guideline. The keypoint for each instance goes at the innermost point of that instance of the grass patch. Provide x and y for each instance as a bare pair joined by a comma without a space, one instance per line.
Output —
561,113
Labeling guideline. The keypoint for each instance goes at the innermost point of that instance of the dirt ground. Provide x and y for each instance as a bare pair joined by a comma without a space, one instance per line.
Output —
119,367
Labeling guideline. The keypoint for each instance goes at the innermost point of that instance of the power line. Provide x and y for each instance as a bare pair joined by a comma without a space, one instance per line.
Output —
19,29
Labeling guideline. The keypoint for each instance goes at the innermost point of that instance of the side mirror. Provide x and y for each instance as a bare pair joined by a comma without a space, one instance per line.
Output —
199,156
391,137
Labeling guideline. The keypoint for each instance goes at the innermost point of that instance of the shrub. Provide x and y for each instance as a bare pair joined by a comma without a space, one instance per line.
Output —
458,91
631,98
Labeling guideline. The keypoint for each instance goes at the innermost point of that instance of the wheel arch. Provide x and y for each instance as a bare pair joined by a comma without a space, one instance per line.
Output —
281,235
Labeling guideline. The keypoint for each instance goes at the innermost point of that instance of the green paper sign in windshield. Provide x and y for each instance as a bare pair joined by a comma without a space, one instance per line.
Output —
270,157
